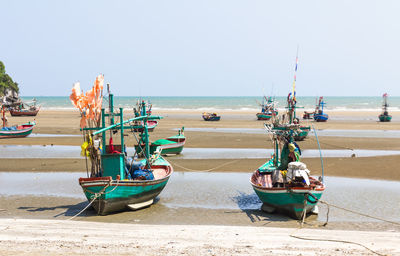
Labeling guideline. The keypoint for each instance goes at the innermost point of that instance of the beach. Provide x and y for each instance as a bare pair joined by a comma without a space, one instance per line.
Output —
236,132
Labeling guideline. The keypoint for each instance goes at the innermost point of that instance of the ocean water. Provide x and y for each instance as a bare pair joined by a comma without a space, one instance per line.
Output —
229,103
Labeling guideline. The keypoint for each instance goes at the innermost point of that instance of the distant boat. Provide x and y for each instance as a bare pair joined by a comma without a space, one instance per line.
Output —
268,109
319,114
17,131
151,125
25,109
385,117
24,112
290,117
168,146
211,116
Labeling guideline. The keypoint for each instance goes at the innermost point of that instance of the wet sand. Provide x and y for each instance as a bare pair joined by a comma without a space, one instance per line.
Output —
67,122
357,167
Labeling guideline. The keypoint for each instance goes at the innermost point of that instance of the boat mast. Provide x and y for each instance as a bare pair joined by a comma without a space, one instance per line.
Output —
385,105
292,96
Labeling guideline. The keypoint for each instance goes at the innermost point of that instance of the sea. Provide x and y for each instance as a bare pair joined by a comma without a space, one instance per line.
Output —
237,103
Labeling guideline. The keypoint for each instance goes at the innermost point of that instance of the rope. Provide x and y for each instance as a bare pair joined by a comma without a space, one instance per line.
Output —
96,195
333,145
359,213
94,198
337,241
208,170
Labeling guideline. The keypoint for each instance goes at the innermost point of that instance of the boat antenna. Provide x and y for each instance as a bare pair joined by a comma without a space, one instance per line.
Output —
320,153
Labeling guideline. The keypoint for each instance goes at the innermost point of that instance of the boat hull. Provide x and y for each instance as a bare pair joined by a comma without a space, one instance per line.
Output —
213,118
20,133
385,118
262,116
23,113
321,117
120,193
302,134
292,202
151,125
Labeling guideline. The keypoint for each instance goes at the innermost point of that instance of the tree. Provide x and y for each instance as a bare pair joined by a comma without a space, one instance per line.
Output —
6,81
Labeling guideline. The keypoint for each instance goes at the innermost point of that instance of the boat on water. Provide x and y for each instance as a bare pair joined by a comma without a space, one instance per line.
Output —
283,183
268,109
385,117
16,131
211,116
319,114
117,182
169,146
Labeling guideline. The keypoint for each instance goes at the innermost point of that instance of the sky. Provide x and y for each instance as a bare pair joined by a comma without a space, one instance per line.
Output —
204,47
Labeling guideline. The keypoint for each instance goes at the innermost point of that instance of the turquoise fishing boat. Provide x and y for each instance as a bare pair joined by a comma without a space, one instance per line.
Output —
117,182
169,146
290,117
385,117
283,183
268,109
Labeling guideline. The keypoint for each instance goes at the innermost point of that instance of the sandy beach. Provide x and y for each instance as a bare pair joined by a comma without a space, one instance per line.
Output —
191,231
39,237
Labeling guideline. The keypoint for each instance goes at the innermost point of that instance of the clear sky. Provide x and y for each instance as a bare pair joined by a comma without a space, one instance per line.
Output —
204,47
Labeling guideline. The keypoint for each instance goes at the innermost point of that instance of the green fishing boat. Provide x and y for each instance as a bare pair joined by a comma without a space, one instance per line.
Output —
268,109
290,117
169,146
117,182
385,117
283,183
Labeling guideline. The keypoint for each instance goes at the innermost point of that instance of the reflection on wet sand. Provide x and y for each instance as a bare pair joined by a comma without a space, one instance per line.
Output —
201,198
57,151
322,132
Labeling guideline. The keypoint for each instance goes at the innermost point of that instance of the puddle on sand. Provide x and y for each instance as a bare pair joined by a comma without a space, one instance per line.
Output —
230,191
325,132
45,135
57,151
240,153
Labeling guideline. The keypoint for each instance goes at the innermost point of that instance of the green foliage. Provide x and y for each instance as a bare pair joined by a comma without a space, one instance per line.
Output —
6,81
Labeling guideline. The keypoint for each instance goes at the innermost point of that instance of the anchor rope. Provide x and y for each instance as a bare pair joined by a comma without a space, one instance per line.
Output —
359,213
333,145
207,170
96,195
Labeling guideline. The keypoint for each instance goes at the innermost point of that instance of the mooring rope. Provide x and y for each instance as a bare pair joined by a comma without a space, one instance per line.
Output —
96,195
359,213
207,170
